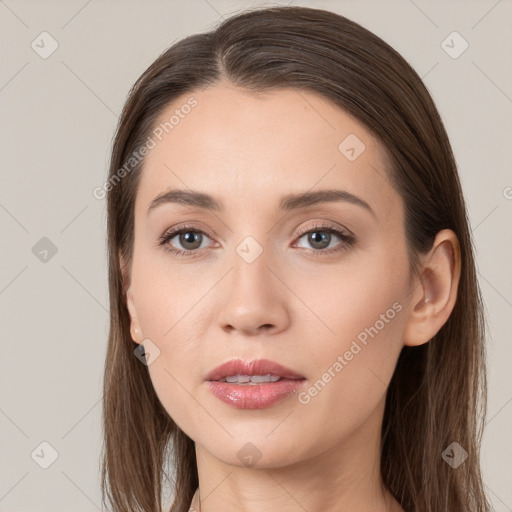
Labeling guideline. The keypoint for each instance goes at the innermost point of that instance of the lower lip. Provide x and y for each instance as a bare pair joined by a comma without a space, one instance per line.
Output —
256,396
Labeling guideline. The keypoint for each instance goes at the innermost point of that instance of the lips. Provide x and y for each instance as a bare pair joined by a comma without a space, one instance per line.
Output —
257,367
256,384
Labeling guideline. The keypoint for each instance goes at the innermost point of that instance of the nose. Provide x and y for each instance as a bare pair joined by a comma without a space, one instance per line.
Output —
254,298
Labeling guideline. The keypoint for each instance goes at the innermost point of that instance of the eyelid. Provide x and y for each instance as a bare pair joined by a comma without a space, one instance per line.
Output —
175,230
316,225
323,224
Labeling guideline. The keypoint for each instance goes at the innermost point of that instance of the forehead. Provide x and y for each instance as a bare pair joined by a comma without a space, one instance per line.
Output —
251,149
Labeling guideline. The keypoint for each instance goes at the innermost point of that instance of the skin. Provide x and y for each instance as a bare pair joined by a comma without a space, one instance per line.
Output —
288,305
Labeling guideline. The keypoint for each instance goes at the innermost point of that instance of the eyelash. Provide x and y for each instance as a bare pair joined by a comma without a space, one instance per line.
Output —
347,240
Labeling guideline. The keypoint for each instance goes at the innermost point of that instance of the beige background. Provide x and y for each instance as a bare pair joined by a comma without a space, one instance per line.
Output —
57,120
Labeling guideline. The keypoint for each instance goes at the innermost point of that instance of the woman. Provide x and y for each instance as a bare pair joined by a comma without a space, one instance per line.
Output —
296,322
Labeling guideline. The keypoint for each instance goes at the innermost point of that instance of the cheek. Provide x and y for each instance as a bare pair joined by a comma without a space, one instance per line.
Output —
363,318
343,300
170,307
168,294
349,376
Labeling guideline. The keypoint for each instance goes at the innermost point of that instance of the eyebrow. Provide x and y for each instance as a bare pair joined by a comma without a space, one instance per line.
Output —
288,202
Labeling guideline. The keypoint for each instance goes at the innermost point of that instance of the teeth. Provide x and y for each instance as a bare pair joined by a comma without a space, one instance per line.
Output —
251,379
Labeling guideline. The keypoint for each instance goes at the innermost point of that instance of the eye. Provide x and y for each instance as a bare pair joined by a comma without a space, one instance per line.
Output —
320,237
188,237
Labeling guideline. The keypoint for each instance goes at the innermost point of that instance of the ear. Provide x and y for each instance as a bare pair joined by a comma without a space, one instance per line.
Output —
135,329
435,295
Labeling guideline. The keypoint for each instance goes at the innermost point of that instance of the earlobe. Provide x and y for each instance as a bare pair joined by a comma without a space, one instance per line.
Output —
435,296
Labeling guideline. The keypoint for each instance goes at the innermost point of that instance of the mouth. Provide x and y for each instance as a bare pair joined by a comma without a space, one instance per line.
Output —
253,385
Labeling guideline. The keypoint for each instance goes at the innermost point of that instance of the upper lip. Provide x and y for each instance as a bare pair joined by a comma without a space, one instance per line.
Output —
256,367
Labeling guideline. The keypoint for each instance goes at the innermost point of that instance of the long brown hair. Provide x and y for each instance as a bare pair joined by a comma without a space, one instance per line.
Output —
438,392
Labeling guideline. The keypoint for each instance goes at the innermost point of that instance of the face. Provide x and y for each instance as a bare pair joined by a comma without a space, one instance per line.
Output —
318,287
